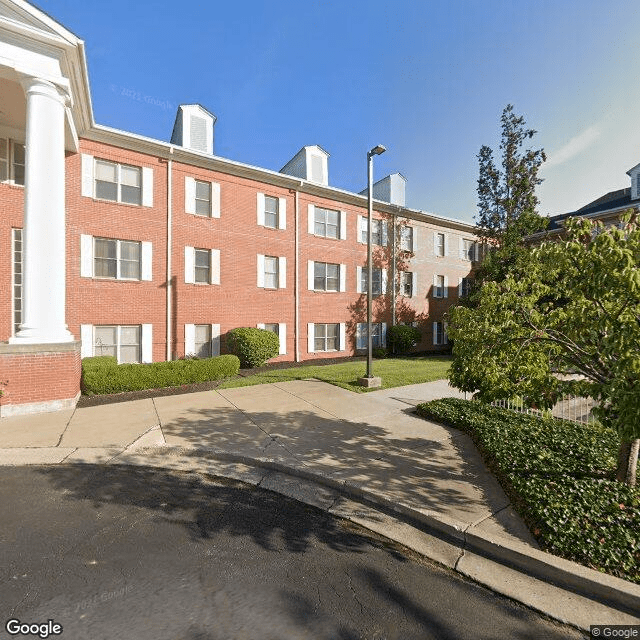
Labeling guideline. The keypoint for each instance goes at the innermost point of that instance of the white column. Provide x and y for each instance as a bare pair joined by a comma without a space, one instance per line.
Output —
44,216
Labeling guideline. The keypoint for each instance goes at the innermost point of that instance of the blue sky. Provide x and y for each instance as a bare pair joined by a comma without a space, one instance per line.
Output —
428,80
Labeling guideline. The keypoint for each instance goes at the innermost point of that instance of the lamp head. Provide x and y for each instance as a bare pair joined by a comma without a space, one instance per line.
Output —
377,150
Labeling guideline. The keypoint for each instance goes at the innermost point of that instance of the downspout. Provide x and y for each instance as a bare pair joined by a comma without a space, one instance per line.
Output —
393,269
169,240
296,291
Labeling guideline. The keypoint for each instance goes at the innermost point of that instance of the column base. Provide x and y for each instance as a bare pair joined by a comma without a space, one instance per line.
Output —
35,336
35,378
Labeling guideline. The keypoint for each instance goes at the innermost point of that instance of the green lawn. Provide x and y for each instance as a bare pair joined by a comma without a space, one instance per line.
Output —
395,372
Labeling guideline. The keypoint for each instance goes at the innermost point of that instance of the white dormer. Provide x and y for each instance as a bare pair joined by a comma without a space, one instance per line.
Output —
193,128
389,189
634,174
310,163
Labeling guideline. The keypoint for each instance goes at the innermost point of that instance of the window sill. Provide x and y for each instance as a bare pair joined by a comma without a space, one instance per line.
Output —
123,204
10,183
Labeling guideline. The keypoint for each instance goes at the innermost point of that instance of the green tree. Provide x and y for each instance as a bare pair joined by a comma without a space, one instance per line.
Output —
569,324
507,200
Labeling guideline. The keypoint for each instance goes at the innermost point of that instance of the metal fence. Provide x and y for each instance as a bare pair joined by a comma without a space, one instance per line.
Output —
575,409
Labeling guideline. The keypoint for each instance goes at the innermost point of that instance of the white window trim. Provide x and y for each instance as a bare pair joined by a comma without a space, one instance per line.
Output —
88,183
282,335
311,336
445,287
190,339
190,266
361,343
87,337
87,259
281,262
311,223
10,161
190,198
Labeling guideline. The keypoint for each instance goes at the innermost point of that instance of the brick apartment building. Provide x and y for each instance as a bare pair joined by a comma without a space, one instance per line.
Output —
113,243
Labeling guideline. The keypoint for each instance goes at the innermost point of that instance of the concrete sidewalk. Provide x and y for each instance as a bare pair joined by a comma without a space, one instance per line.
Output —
328,446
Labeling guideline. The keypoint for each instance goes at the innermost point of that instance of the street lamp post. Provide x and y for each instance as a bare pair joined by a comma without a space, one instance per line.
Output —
376,151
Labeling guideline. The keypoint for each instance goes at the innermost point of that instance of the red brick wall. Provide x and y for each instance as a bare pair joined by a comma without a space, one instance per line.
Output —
98,301
39,377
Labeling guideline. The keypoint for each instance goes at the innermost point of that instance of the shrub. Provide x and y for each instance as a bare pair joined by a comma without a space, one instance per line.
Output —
402,338
253,346
558,475
380,352
99,362
100,378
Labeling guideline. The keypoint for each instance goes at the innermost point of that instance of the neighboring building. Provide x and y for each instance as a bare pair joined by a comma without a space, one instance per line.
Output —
150,250
607,208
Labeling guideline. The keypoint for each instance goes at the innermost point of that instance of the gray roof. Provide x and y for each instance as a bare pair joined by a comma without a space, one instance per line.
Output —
612,201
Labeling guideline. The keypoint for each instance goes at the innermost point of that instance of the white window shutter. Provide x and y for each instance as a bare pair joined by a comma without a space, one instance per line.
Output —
311,334
383,277
358,279
435,333
445,293
282,335
414,239
261,271
343,277
147,187
86,337
282,213
435,285
343,336
261,325
215,339
385,233
311,275
215,200
147,261
446,244
476,250
189,339
282,272
147,343
189,195
86,256
312,219
435,243
460,287
343,225
414,285
360,229
260,209
215,266
189,264
445,337
461,248
360,336
384,334
87,176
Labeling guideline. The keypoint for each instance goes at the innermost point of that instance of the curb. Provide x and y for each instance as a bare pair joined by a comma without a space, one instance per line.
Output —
602,589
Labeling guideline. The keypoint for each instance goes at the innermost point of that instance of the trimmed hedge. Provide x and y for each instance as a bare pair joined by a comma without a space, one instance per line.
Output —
253,346
559,476
104,376
402,338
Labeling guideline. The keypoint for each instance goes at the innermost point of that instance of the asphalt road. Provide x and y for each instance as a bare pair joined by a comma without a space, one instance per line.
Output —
123,552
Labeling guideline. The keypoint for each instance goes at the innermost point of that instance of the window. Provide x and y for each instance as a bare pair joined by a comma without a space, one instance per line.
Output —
327,337
12,160
326,277
122,342
326,223
465,287
468,251
406,238
280,329
119,259
378,231
271,212
118,182
202,344
439,244
406,283
203,198
202,266
17,279
439,289
439,333
270,272
378,335
273,327
377,284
